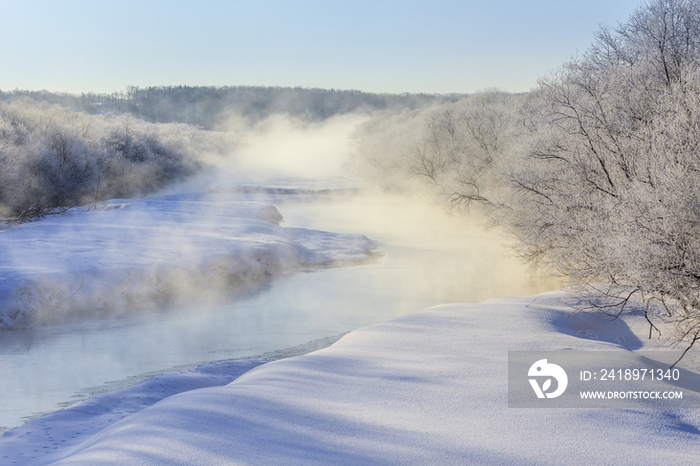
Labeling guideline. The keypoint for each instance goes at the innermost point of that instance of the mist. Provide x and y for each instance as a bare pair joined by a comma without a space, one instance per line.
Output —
288,146
315,163
288,150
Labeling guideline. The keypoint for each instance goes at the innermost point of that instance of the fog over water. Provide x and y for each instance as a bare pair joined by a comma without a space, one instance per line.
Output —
427,256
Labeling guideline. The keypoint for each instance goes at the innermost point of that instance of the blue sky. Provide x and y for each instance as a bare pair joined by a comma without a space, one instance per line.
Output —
376,46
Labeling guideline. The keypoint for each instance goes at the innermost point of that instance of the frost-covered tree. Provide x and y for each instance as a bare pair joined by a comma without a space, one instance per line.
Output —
457,149
53,158
609,191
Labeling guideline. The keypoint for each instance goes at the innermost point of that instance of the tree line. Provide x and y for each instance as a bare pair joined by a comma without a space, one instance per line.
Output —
210,107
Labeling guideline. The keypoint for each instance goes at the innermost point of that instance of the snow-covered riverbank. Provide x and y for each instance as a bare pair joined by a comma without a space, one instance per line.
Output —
427,388
129,254
426,257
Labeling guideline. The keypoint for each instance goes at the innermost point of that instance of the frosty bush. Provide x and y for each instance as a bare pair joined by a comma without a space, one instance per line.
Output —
456,149
54,158
609,191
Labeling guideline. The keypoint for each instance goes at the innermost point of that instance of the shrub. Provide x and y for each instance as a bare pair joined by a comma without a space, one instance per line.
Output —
54,158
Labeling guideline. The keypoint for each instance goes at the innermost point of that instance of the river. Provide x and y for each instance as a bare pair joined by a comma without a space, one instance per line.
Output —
427,257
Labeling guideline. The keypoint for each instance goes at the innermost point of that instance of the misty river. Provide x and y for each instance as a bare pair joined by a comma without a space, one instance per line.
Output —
426,257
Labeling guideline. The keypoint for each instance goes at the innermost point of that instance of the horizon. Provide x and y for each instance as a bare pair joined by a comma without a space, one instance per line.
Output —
244,86
380,47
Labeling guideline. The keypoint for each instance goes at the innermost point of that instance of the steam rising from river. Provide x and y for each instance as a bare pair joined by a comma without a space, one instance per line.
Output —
284,146
183,248
427,256
476,263
277,147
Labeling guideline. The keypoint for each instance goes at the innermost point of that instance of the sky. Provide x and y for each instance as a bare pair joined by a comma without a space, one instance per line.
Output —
393,46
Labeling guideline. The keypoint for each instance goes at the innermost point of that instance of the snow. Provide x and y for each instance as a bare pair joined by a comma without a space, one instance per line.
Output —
149,252
426,388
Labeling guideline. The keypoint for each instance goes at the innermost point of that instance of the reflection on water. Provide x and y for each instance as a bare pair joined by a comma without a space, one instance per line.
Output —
427,258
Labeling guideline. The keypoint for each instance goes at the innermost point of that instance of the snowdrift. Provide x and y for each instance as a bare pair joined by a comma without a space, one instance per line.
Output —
427,388
131,254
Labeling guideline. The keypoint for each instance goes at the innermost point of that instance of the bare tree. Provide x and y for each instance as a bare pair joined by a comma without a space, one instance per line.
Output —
608,191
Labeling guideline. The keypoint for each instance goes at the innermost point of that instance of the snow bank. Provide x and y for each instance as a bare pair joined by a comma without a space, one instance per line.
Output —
48,437
427,388
136,253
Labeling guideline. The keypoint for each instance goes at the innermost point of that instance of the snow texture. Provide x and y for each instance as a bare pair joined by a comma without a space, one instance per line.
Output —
131,254
426,388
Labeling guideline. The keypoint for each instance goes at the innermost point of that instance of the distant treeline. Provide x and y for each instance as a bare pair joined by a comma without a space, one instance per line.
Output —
61,150
208,107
